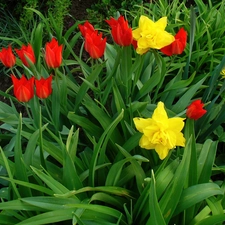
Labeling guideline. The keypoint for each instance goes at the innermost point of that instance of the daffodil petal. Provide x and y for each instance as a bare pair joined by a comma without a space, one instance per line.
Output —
141,51
180,139
176,123
161,23
145,143
141,123
162,151
160,114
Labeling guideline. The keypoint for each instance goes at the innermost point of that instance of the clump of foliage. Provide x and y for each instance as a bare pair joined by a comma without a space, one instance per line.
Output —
58,9
104,9
26,16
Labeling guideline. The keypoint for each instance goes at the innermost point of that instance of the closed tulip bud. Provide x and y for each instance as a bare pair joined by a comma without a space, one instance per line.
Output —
26,54
53,54
95,45
195,110
23,88
43,87
121,32
86,28
178,45
7,57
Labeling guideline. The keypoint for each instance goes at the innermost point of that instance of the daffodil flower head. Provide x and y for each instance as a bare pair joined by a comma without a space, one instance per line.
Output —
151,34
160,132
223,72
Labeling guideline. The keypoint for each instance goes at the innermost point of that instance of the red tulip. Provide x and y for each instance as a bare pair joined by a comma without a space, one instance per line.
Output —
121,32
134,43
94,44
43,87
86,28
195,110
53,54
26,52
7,57
178,46
23,88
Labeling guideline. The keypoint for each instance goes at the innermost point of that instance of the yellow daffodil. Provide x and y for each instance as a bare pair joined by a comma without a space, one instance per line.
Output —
151,34
223,73
160,132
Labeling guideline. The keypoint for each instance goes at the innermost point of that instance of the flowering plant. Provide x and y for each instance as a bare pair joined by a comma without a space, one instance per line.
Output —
112,135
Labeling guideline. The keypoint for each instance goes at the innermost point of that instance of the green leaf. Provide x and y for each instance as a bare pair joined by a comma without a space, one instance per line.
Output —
72,142
167,206
53,184
149,85
70,177
66,214
156,216
49,217
55,107
191,40
206,160
185,99
84,87
50,203
106,189
91,128
136,169
181,84
39,188
108,199
20,172
192,175
212,220
114,173
101,147
8,220
37,43
195,194
215,205
165,176
45,20
112,58
10,168
104,119
31,145
17,205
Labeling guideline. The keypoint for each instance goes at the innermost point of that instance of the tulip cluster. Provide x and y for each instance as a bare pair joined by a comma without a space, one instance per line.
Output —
159,132
53,55
23,87
148,35
94,43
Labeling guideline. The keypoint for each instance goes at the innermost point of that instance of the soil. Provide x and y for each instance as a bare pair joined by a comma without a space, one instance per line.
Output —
78,8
